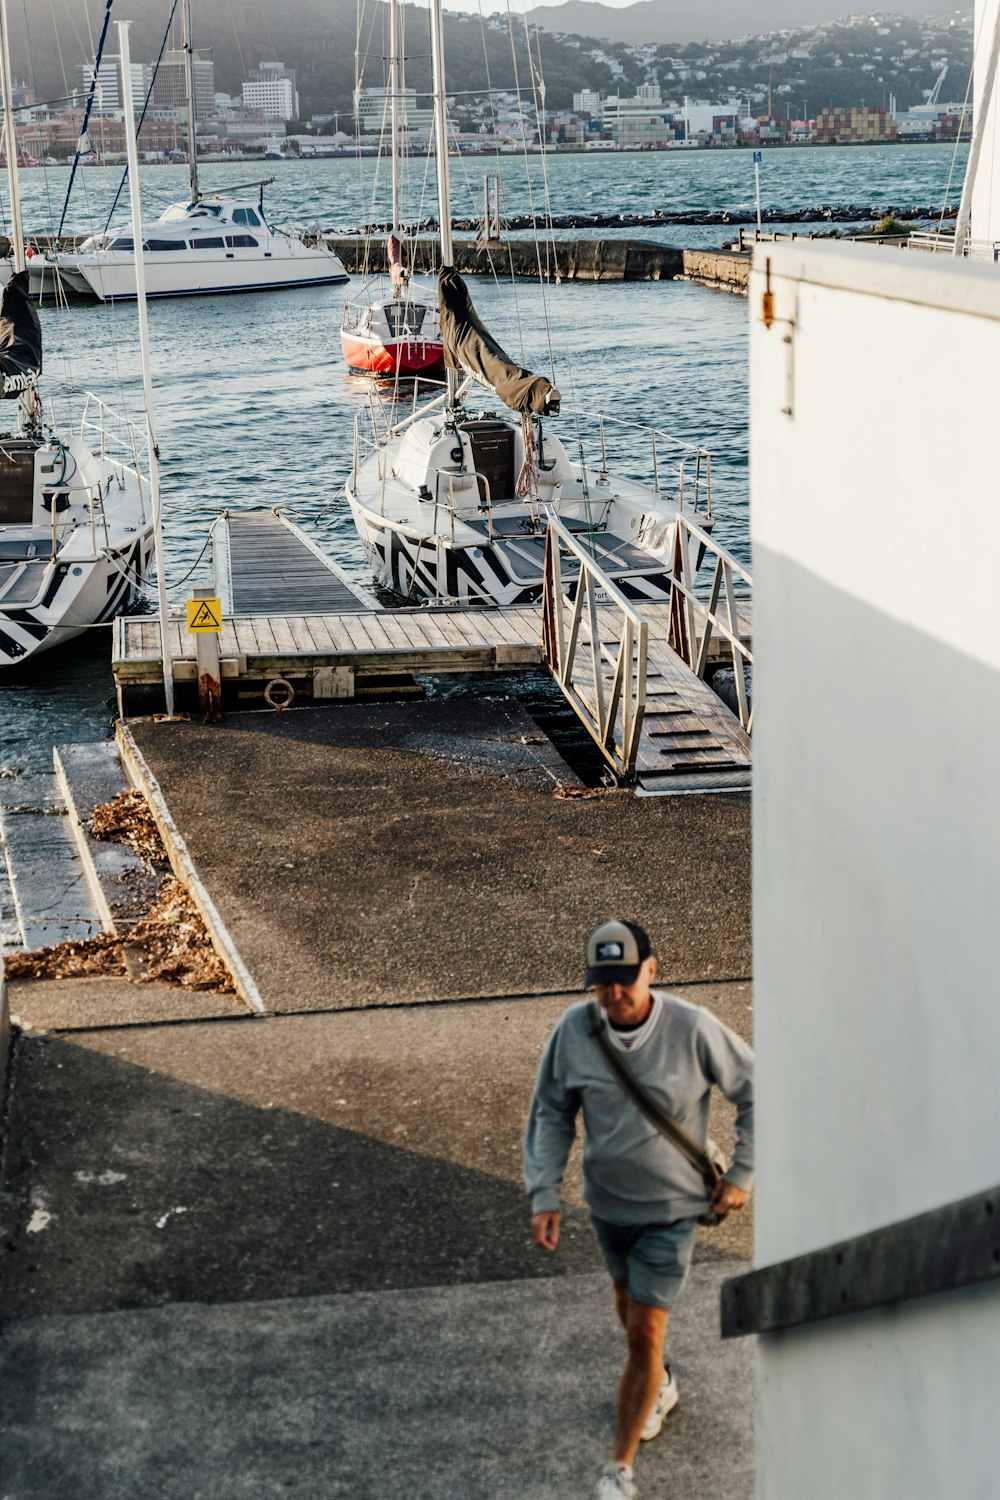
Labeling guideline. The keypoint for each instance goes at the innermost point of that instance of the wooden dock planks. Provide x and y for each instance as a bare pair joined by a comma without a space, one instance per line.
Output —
266,565
689,738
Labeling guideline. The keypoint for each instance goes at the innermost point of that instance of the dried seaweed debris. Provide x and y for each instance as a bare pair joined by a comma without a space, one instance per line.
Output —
170,943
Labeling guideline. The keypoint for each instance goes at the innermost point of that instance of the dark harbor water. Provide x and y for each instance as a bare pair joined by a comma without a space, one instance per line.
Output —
254,407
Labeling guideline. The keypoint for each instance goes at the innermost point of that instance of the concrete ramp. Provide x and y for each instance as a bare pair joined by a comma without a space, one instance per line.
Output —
392,853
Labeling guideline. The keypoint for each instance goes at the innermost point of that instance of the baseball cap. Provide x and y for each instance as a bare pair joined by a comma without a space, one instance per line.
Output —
616,952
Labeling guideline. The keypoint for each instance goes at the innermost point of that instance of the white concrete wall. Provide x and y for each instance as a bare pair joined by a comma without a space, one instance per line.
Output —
986,191
876,537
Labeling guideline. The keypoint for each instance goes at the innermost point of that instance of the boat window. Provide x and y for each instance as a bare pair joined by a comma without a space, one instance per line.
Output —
403,319
208,242
17,484
241,241
123,242
166,245
245,216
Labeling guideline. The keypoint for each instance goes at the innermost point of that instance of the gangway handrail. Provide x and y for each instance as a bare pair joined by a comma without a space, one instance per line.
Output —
613,716
690,610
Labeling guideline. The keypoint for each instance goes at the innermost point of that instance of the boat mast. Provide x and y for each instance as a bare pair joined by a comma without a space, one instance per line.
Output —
10,139
187,47
394,108
441,150
984,108
147,379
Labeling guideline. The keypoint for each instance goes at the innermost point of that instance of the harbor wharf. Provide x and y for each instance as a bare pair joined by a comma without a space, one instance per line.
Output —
580,258
275,1239
583,257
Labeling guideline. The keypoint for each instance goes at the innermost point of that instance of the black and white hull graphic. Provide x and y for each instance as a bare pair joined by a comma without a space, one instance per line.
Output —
496,573
47,601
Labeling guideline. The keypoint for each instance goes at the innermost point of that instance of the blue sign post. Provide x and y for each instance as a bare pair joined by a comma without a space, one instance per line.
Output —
756,172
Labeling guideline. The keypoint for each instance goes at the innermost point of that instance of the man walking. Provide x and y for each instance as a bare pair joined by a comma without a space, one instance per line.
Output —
645,1197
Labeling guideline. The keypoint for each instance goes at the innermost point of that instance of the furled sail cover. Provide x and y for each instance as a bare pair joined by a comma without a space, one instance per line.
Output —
20,338
468,346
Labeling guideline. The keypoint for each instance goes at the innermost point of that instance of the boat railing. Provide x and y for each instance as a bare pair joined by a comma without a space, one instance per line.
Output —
935,243
672,463
483,507
116,438
932,242
601,672
695,617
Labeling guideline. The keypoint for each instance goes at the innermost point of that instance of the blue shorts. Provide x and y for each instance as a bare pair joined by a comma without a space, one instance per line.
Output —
651,1260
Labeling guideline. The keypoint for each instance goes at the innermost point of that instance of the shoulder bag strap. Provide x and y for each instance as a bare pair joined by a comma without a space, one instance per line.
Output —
654,1112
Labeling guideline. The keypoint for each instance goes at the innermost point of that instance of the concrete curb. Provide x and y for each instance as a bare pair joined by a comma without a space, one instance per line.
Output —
94,885
183,867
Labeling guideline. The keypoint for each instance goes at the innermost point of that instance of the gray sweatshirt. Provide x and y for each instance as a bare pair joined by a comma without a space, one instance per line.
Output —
631,1174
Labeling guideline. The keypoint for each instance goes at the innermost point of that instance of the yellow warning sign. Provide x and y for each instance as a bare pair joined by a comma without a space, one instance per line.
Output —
204,614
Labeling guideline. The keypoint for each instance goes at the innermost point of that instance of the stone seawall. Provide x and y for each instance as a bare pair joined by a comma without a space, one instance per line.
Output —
584,259
729,270
564,260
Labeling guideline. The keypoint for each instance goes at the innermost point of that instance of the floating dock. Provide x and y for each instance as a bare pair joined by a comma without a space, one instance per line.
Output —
687,736
638,677
263,561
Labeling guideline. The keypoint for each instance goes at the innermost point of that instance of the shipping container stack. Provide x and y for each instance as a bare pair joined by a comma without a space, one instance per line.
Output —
854,125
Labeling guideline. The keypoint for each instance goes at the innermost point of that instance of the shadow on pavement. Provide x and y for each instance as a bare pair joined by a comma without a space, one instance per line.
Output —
125,1189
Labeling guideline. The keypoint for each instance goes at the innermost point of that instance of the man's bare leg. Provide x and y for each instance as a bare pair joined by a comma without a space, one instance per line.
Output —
645,1329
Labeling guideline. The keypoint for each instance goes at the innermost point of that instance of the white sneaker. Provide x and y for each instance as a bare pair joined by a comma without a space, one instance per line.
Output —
616,1483
667,1398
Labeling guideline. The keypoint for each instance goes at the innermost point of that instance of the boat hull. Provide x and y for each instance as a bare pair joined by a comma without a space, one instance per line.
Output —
74,596
402,357
114,280
421,567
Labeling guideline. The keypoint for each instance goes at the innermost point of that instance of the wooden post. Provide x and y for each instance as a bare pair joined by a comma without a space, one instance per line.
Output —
208,666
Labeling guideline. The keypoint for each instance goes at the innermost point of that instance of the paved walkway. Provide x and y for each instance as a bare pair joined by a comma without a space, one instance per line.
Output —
290,1256
387,853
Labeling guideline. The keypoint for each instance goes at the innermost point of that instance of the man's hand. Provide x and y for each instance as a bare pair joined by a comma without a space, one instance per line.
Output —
727,1198
545,1229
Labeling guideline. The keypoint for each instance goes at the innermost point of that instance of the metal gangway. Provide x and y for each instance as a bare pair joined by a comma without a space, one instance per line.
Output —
638,677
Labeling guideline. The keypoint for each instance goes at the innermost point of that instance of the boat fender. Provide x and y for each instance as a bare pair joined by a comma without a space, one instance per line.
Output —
55,500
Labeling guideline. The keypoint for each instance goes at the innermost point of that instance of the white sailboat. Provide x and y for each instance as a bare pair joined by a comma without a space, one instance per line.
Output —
398,334
217,242
452,503
76,532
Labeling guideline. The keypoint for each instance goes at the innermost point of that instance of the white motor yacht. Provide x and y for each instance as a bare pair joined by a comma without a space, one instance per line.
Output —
214,243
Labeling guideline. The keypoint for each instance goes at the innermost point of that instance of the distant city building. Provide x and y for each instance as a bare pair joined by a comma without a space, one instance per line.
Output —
274,97
271,88
169,89
716,124
642,120
108,94
375,112
587,102
854,125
